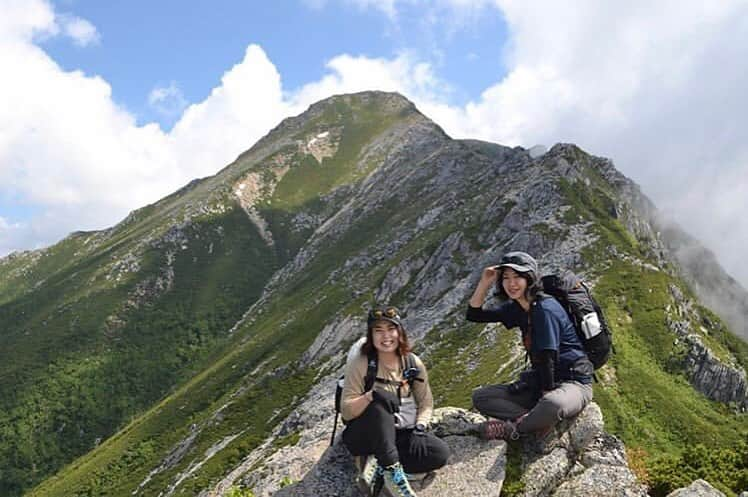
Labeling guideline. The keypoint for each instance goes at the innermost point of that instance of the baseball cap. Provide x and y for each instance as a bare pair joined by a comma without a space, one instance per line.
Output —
521,262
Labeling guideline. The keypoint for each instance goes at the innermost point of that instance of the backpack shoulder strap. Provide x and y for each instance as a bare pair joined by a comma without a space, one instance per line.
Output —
372,365
410,361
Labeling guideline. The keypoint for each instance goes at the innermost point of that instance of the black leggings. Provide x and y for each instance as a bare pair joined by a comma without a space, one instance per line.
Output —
374,433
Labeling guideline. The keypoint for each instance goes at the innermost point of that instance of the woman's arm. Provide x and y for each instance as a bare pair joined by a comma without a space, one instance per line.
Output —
422,393
475,311
487,280
546,341
354,400
356,406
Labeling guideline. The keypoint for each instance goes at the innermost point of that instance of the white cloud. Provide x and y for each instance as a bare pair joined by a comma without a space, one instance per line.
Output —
168,100
351,74
22,20
387,7
82,32
658,87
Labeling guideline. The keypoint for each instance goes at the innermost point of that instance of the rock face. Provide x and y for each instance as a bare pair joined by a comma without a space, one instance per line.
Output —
579,458
708,374
699,488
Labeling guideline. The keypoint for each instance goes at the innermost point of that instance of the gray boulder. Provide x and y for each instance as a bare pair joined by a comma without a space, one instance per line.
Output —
602,480
577,458
475,467
698,488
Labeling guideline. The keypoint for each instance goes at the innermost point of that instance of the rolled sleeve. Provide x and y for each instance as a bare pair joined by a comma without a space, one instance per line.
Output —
353,385
423,395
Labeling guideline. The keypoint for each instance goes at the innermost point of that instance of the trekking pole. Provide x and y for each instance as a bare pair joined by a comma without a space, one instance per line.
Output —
334,428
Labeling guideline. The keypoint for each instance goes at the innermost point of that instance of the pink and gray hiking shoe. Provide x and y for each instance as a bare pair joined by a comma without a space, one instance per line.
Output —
497,429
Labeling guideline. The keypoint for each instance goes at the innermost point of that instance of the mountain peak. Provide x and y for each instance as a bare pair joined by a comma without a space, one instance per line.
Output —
391,101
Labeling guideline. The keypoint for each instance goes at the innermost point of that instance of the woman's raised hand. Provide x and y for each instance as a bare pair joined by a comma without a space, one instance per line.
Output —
489,274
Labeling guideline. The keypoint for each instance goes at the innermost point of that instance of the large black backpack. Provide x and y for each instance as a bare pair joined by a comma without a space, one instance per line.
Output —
410,373
584,312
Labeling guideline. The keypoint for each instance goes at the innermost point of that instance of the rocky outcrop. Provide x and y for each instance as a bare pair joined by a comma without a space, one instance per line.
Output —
475,467
579,458
699,488
328,341
715,378
709,281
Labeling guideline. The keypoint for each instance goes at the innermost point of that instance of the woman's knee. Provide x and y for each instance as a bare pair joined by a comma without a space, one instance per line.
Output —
436,457
441,453
478,396
482,395
566,401
551,406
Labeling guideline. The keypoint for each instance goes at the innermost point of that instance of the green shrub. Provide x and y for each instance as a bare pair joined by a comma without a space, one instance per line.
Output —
724,468
239,492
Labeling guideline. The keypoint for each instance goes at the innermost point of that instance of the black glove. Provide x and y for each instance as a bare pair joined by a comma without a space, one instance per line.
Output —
387,399
418,443
546,369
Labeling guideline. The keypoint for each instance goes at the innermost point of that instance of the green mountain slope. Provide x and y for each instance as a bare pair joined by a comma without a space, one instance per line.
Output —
172,352
102,325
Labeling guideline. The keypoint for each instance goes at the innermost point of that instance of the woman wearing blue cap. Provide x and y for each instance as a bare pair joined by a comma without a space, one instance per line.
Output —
559,384
387,410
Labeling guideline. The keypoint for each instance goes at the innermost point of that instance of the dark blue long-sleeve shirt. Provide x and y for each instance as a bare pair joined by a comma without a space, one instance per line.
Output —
547,333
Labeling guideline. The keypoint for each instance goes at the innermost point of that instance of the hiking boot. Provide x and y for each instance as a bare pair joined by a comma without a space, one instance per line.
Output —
495,429
370,479
396,482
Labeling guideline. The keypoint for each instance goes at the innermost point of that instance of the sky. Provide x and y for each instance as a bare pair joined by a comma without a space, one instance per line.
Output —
108,106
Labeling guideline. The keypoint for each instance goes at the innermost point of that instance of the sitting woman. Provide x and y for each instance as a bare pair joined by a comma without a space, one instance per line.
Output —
387,416
559,384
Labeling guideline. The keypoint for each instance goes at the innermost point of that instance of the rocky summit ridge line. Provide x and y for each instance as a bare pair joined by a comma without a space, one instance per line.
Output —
189,350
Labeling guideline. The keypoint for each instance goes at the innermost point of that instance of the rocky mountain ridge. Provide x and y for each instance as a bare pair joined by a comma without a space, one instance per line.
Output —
265,270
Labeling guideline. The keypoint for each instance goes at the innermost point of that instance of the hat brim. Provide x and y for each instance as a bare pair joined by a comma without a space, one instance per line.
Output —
517,267
394,321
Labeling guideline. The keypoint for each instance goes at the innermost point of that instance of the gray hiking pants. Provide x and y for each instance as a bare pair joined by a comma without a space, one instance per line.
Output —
565,401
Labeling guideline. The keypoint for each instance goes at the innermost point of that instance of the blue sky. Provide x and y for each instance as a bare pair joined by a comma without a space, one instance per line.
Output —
108,106
146,45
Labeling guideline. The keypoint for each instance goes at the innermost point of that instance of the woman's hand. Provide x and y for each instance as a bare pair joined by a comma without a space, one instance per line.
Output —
418,443
487,280
489,275
387,399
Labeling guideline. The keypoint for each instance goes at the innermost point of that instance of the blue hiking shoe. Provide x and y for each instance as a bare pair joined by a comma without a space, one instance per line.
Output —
371,478
396,482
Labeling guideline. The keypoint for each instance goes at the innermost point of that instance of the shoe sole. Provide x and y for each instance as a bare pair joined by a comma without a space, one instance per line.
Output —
363,487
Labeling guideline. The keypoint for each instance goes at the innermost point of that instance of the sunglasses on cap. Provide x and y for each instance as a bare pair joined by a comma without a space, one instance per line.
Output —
387,312
513,259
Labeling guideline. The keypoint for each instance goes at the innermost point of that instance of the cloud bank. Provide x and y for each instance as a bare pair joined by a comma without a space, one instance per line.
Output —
658,87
